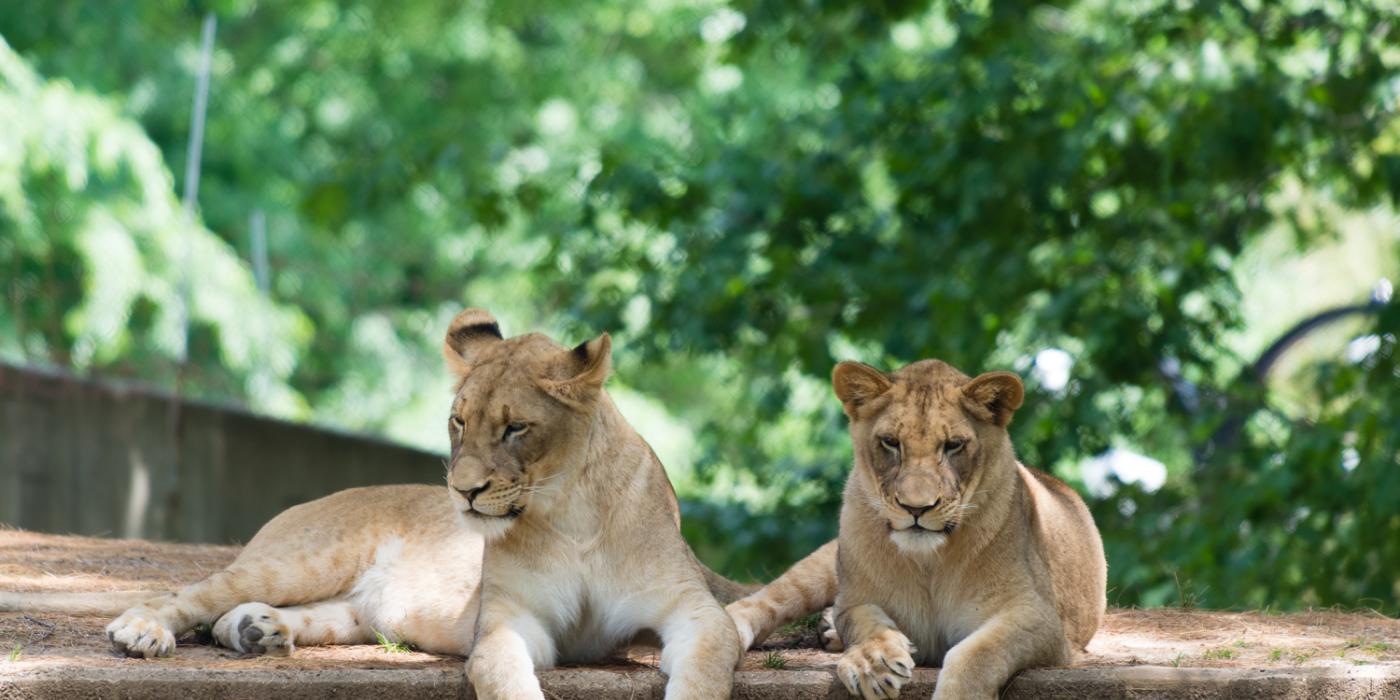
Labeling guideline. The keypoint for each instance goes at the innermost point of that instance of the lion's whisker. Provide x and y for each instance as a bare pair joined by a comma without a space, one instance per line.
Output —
548,479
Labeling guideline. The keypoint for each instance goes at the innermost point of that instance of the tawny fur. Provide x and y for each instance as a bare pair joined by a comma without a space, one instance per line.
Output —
1017,581
807,586
82,603
394,560
556,542
585,547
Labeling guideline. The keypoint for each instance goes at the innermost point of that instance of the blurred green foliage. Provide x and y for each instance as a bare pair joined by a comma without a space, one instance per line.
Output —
745,193
96,253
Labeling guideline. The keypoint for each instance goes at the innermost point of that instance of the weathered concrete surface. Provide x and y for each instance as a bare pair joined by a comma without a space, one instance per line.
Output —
106,458
155,683
1137,653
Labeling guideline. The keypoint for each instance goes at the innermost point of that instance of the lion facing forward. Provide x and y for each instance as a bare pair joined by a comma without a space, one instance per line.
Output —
950,551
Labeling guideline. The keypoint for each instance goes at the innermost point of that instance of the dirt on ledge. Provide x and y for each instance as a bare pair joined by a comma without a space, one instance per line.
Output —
1174,638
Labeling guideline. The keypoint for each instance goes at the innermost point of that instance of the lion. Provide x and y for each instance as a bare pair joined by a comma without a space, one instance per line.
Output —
557,540
950,551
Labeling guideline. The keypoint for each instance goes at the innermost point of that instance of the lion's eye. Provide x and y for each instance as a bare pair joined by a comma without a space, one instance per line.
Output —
456,422
890,442
514,429
953,446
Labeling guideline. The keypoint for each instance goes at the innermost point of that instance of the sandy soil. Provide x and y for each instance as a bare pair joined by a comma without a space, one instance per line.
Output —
1162,637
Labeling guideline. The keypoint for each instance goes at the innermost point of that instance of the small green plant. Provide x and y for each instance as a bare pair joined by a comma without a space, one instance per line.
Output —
1377,648
1220,654
1241,644
775,660
1301,657
807,623
1176,662
1187,598
392,647
1275,655
14,653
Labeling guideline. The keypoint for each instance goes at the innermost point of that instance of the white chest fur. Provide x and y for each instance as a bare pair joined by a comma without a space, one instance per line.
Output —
423,590
935,615
586,604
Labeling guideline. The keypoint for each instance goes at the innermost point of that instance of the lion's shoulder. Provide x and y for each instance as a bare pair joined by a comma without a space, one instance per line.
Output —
1051,483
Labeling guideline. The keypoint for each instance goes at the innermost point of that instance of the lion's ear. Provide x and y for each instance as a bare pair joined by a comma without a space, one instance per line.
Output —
589,364
857,383
469,332
994,396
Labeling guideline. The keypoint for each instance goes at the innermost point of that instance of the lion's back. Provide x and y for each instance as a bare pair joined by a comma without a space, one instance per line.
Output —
1066,532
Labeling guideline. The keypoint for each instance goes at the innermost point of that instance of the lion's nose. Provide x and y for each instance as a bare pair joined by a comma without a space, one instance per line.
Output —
472,493
917,511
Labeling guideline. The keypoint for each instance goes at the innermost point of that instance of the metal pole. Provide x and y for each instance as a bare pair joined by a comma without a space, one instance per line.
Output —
257,230
168,522
192,159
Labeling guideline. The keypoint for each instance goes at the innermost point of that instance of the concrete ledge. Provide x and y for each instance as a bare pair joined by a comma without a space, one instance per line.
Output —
1162,653
155,683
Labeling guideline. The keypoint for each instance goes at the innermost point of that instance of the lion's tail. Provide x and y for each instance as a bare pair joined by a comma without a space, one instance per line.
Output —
807,587
107,603
726,590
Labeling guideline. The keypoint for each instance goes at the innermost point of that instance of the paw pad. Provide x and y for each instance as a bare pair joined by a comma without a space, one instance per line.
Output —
254,628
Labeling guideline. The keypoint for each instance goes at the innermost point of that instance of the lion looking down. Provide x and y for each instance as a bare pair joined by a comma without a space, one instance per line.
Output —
558,539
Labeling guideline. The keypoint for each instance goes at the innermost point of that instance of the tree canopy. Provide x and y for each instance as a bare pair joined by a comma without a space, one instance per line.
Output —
746,193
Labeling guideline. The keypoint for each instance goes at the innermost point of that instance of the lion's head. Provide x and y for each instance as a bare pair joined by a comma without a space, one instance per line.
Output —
929,438
521,417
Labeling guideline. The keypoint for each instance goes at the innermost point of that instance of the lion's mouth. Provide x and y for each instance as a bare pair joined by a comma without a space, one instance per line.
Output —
947,528
512,513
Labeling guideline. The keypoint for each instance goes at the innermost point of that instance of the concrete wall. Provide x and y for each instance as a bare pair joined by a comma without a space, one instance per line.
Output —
102,458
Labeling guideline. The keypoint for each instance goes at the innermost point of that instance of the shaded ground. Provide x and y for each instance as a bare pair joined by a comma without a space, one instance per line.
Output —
1165,638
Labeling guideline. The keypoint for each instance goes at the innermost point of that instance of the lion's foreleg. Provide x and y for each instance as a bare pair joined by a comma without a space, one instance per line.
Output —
807,587
978,666
699,649
879,658
149,629
258,628
328,622
502,663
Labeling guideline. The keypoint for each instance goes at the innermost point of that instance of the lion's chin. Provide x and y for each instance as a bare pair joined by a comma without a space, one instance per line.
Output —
492,527
918,541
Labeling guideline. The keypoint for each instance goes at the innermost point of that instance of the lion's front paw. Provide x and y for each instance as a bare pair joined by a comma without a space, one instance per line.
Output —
254,628
138,632
493,680
743,625
826,632
879,667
